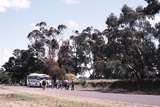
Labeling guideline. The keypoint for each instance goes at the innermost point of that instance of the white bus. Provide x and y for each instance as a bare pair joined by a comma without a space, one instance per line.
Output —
35,79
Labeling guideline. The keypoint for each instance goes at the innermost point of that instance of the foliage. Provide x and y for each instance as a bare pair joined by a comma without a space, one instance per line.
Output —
70,76
43,40
125,49
20,65
152,8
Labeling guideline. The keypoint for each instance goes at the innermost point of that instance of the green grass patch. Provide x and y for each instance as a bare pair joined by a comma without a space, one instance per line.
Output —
17,97
20,97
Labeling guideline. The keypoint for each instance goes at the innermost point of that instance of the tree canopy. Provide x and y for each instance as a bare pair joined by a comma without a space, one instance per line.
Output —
125,49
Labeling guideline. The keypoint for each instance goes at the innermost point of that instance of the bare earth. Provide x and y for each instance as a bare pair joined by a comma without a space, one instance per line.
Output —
103,99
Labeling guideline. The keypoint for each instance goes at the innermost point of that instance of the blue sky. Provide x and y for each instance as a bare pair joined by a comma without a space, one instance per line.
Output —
17,17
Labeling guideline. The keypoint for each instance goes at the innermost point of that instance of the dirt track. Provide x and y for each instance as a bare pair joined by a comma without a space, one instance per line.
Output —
89,95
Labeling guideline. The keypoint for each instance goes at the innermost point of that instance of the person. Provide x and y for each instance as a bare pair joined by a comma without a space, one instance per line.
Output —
57,84
72,85
65,84
44,84
53,83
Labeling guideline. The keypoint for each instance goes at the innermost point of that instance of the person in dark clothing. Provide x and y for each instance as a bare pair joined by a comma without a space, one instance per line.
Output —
72,85
44,84
54,79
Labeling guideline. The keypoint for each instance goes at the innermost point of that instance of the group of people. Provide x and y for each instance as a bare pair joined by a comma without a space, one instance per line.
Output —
59,84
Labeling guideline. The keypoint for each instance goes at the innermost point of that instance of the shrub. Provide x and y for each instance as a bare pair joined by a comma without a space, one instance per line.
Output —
83,83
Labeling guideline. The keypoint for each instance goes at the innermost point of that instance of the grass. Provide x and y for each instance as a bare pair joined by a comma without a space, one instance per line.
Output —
20,97
17,97
46,101
62,102
27,99
34,100
30,100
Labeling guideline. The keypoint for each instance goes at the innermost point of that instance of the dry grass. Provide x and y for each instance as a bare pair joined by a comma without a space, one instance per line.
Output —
28,100
12,98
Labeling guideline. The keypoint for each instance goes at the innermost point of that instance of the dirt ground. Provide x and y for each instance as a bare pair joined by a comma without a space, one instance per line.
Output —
15,96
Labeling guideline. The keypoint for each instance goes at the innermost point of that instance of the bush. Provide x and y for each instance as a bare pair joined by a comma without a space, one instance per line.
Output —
142,85
4,78
70,76
83,83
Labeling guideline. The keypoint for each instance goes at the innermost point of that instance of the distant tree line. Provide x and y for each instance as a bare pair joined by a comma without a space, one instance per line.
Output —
125,49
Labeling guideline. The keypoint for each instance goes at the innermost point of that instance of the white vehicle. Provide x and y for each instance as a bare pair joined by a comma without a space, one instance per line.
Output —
35,79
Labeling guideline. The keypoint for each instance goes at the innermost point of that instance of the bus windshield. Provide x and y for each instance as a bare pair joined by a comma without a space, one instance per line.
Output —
46,78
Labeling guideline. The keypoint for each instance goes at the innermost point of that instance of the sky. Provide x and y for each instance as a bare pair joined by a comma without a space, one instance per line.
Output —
18,17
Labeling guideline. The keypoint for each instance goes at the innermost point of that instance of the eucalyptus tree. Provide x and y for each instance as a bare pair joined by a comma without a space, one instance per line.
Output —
43,40
128,38
97,42
21,64
78,49
87,50
152,8
66,58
